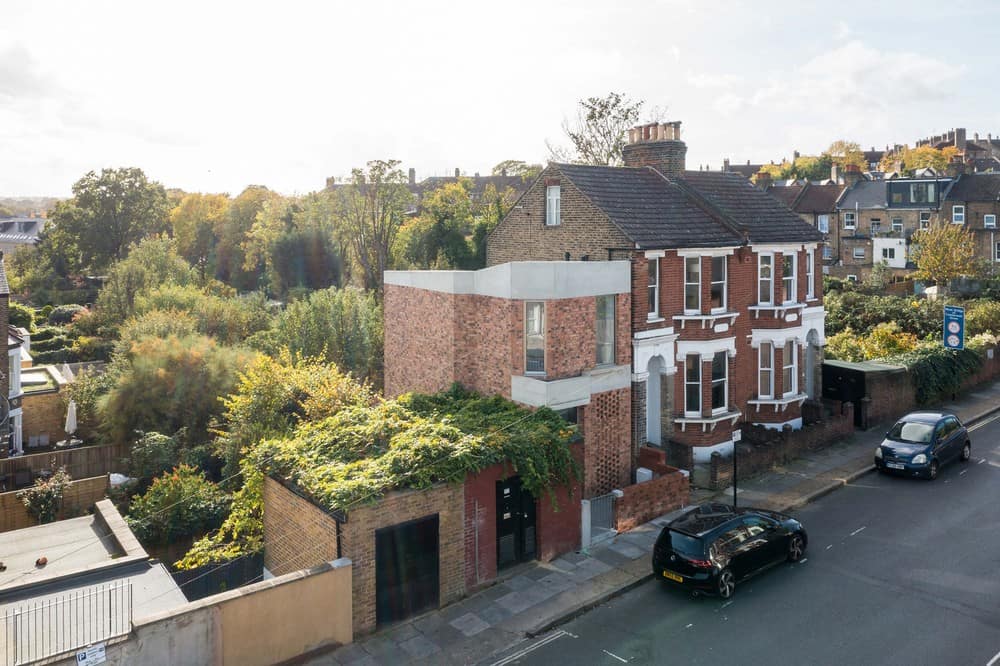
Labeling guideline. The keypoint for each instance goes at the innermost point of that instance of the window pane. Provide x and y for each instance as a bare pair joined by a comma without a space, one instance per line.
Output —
719,363
692,383
691,294
534,343
652,299
693,398
765,384
605,329
692,283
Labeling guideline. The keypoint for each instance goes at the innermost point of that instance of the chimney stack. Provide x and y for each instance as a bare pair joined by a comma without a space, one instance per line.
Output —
413,176
960,139
835,174
852,174
458,174
656,145
762,180
725,164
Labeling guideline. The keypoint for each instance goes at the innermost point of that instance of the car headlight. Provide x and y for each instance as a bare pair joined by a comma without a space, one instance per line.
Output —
878,452
919,459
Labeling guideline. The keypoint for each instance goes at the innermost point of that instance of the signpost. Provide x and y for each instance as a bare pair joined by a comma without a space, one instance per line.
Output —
737,436
954,327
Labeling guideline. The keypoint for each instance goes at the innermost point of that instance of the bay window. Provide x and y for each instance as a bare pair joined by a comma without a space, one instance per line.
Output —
789,373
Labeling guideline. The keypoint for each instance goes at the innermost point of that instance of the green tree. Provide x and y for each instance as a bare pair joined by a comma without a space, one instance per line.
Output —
527,172
109,212
846,153
371,211
597,136
151,263
231,233
437,238
944,252
178,505
194,222
493,207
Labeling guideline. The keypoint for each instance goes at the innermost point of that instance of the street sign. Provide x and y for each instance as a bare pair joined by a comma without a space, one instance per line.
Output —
737,435
954,327
92,655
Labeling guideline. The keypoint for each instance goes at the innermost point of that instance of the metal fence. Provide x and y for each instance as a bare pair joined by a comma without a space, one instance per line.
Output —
66,622
599,519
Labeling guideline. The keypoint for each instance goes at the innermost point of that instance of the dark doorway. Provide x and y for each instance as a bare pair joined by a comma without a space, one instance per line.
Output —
406,569
515,523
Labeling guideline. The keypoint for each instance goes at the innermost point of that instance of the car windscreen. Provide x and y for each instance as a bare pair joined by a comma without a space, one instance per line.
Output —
686,545
912,432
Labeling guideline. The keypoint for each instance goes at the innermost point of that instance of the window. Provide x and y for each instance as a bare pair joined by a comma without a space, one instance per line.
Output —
888,253
692,285
788,283
765,385
990,221
764,291
897,224
996,253
810,274
827,252
958,214
876,225
852,278
823,223
552,206
534,337
654,287
718,284
922,193
850,220
720,383
605,330
859,253
692,385
897,197
925,219
789,376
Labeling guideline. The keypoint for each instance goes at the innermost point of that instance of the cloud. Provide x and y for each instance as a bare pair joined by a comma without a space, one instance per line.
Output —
704,80
21,78
843,31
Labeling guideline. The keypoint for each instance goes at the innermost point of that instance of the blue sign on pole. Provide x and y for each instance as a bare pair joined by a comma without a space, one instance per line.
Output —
954,327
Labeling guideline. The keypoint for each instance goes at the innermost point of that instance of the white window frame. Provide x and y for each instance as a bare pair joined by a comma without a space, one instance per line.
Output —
850,220
827,252
607,345
528,333
996,251
925,220
810,274
770,279
875,225
958,214
852,278
688,412
724,282
654,288
692,308
896,224
724,381
793,290
855,253
765,354
553,204
990,221
889,253
793,368
823,224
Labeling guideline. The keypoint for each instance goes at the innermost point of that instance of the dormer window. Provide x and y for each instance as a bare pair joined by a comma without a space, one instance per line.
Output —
552,197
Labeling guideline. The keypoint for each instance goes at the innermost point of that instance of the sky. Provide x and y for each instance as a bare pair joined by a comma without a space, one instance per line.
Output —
215,96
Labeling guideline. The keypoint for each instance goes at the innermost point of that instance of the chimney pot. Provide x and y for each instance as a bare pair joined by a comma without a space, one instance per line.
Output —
413,176
458,173
654,133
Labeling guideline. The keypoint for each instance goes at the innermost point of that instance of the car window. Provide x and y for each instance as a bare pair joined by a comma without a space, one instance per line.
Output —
730,540
756,525
951,425
913,432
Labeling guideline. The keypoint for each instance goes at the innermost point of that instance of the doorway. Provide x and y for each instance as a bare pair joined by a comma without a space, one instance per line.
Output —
406,569
515,523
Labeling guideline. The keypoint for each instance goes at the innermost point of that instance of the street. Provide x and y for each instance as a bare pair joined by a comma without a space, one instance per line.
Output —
898,571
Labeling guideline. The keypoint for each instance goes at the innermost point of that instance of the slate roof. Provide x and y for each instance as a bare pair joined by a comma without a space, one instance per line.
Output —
981,164
786,194
819,199
746,170
700,209
976,187
865,194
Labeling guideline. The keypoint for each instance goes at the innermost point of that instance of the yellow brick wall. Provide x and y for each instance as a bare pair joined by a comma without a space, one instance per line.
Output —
78,498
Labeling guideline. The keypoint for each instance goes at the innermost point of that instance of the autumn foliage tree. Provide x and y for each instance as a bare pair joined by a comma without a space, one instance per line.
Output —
944,252
597,135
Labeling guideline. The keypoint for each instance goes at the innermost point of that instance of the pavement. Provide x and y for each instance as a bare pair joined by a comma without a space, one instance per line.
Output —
538,596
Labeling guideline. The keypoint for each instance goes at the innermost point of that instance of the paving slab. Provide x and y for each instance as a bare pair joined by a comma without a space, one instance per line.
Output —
419,647
470,624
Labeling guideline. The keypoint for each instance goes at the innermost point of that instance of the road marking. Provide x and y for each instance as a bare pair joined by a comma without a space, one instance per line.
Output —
982,424
981,461
728,603
994,659
803,560
858,530
963,472
624,661
531,648
829,547
689,626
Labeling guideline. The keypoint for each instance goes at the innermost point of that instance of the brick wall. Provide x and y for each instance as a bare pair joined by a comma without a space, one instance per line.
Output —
297,533
44,413
642,502
607,442
524,236
892,395
78,498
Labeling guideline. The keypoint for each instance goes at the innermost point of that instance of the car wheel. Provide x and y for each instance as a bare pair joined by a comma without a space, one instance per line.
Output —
796,548
725,584
932,470
966,452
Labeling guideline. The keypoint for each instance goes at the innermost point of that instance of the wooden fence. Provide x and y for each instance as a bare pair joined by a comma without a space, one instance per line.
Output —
81,463
79,496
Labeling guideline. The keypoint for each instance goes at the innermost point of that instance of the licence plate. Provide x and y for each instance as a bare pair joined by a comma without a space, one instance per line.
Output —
895,465
672,576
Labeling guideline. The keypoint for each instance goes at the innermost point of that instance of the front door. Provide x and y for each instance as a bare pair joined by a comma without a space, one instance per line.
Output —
515,523
406,569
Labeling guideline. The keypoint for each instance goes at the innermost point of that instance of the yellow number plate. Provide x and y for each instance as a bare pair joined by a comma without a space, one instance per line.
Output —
672,576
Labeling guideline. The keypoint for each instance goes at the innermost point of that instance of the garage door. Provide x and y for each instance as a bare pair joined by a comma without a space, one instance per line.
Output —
406,569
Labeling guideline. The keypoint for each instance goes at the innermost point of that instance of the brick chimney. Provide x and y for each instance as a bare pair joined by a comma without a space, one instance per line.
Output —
835,174
725,164
458,172
413,176
656,145
960,138
762,180
852,174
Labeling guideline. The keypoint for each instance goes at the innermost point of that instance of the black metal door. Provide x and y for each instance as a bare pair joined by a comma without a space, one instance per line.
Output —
515,523
406,569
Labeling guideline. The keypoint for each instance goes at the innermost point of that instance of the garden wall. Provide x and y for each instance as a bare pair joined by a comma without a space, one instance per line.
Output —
80,463
78,497
642,502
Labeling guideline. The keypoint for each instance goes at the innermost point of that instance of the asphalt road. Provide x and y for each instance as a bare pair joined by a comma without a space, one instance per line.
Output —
898,571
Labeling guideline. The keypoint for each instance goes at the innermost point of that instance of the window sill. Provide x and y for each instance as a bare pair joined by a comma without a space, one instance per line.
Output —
654,319
779,404
707,320
708,423
779,310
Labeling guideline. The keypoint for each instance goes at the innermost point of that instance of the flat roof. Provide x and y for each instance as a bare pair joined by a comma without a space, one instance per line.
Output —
68,545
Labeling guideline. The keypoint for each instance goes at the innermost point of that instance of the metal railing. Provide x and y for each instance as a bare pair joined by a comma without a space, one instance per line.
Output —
66,622
598,515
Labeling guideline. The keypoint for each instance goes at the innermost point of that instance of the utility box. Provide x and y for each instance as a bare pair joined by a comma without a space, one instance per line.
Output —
643,474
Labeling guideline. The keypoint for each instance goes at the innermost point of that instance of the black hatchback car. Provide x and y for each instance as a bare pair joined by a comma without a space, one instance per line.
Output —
715,546
919,443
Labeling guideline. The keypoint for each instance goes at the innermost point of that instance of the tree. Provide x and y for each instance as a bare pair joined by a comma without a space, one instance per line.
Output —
152,263
231,264
179,504
527,172
846,153
371,210
108,213
194,222
944,252
598,134
493,207
437,239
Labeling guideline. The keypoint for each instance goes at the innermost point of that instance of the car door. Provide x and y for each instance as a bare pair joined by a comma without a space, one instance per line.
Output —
764,541
948,437
955,437
731,551
939,443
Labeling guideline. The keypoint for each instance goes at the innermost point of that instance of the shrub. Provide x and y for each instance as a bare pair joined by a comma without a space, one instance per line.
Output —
64,314
45,333
50,343
62,355
982,317
44,499
938,372
177,505
21,316
87,348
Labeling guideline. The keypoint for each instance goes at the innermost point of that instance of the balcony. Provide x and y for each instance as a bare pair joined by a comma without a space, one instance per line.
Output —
569,391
